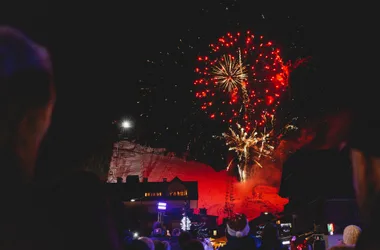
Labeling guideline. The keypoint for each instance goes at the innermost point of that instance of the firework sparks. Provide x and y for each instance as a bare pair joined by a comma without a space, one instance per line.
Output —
252,147
247,94
241,80
229,73
283,77
248,147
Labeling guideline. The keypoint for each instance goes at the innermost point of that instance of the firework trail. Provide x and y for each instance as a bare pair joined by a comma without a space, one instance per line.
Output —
241,81
252,147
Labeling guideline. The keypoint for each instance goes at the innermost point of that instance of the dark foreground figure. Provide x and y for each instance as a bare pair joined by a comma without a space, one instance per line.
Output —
71,213
238,236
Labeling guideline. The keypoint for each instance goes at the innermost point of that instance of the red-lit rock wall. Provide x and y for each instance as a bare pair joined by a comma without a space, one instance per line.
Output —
253,197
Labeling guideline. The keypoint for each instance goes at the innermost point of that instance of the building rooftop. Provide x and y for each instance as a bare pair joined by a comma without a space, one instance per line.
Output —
134,189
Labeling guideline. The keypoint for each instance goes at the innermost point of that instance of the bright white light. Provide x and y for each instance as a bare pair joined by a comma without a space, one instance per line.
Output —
126,124
135,235
266,213
133,200
286,242
185,223
161,206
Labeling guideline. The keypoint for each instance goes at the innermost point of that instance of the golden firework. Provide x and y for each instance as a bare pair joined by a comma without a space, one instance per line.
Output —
229,73
254,146
248,147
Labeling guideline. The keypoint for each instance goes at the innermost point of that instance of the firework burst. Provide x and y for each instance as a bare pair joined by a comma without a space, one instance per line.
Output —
241,80
252,147
229,73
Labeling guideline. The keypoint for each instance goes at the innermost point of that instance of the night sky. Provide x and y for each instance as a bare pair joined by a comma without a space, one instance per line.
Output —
137,61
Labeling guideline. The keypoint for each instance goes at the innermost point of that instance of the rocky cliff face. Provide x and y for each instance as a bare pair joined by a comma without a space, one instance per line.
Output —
252,198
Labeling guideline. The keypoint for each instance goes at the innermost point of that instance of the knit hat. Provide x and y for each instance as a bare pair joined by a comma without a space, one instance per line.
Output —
351,234
237,226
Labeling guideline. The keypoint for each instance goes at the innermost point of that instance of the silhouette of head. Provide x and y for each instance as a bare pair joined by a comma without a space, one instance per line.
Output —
270,235
157,224
138,245
193,245
237,226
176,232
166,245
26,96
148,242
183,238
158,245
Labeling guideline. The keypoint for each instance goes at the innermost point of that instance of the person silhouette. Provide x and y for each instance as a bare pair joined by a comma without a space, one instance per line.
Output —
69,214
27,97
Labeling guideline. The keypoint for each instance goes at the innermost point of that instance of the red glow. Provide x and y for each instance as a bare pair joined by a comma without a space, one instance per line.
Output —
266,67
270,100
258,195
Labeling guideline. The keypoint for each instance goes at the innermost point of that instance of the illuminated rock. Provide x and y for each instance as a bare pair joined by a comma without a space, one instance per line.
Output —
253,197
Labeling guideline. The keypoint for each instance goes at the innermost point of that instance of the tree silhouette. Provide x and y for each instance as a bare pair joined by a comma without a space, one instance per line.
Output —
149,165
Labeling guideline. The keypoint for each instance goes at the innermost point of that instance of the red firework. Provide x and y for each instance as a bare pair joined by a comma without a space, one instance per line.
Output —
241,80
